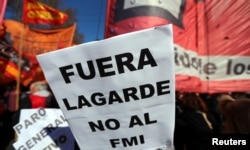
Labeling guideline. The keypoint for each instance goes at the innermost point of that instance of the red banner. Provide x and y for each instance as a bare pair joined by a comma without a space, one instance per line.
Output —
35,12
211,39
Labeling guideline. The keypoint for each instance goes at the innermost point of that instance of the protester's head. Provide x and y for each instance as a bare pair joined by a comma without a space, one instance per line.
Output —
192,101
224,97
236,114
222,100
38,86
179,95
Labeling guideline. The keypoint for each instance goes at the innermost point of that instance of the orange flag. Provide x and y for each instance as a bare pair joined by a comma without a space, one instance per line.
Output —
34,42
38,41
38,13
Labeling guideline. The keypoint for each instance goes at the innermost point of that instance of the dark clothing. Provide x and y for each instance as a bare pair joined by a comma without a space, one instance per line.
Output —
6,130
191,131
26,103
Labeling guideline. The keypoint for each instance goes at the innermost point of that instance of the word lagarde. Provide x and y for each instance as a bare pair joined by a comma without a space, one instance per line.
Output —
132,93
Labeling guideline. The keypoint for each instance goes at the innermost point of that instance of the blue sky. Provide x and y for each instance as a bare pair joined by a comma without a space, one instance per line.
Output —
90,16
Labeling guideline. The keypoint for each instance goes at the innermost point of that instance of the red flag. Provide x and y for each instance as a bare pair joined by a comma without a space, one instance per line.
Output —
38,13
211,39
10,60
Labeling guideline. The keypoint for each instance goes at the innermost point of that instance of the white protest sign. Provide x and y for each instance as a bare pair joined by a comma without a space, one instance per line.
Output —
117,93
43,129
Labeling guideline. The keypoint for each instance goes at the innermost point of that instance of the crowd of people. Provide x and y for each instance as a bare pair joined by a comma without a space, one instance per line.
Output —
202,116
198,115
36,95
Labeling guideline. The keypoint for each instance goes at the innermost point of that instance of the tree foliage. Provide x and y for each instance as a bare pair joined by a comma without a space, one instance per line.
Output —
14,10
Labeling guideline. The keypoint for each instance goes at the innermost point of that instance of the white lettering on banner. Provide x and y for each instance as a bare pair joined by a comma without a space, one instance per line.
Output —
131,93
211,67
29,122
122,61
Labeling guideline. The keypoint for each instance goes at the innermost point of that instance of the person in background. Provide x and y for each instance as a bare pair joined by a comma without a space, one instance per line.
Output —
213,111
37,96
235,113
193,126
8,94
4,124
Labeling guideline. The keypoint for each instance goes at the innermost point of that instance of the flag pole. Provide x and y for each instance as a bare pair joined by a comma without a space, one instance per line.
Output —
18,84
20,53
